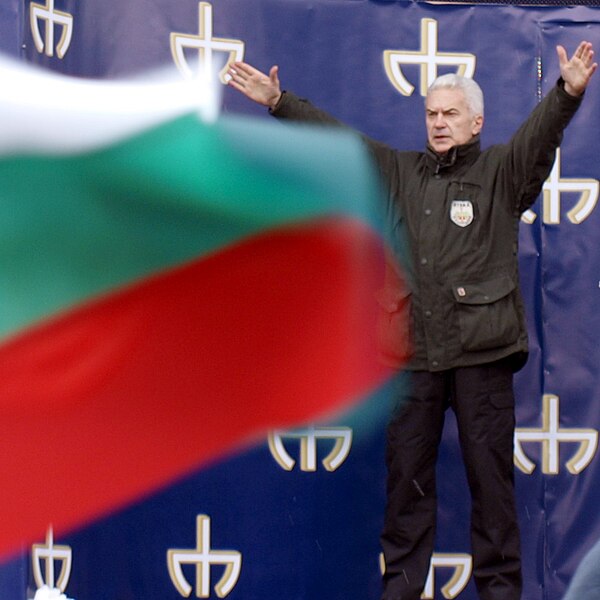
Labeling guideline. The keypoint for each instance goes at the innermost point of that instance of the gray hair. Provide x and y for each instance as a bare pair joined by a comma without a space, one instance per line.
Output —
469,87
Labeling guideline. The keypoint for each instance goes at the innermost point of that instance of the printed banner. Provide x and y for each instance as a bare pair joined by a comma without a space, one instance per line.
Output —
10,36
298,515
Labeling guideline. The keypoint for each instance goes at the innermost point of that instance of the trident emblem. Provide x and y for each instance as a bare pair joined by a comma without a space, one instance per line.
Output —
308,447
428,58
50,17
551,436
206,45
48,553
203,557
555,185
461,565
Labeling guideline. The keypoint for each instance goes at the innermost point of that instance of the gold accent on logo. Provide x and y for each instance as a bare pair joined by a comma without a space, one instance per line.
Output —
461,565
308,447
206,45
203,558
556,185
49,553
50,17
428,58
551,436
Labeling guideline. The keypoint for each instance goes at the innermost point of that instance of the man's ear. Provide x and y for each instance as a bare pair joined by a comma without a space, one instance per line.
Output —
477,124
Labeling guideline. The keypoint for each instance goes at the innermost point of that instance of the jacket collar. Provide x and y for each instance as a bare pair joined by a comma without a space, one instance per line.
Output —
456,157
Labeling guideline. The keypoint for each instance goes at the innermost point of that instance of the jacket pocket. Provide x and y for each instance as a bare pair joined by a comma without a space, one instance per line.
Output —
487,315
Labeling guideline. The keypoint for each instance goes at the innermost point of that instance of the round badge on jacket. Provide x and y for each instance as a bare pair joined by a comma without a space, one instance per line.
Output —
461,212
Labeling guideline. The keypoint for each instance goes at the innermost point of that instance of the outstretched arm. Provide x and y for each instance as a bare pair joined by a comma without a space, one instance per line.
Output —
578,70
532,149
256,85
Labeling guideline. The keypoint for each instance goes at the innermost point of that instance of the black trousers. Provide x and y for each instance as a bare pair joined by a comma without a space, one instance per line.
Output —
483,400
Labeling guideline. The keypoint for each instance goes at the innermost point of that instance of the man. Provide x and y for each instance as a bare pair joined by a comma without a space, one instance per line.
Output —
460,207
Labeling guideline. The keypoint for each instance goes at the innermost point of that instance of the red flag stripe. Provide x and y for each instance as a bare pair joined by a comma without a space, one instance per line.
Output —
127,393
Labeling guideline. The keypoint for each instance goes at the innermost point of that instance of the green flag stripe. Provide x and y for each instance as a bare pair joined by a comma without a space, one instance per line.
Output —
77,226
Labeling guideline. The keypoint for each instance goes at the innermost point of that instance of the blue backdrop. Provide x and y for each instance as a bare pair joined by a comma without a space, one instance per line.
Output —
307,529
9,27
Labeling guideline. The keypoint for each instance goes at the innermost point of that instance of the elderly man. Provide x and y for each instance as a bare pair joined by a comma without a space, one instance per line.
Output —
460,207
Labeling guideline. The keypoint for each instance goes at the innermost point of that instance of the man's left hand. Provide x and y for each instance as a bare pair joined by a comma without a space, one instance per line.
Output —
578,70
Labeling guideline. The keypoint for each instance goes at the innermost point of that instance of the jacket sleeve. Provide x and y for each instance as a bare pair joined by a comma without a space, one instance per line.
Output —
294,108
532,149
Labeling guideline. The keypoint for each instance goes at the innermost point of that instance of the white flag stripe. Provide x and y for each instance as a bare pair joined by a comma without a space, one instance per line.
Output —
47,112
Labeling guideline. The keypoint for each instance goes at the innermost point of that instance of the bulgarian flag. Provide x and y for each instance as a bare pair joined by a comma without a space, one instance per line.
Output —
172,285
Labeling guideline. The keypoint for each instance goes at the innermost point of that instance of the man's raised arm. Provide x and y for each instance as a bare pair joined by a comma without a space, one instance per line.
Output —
266,90
578,70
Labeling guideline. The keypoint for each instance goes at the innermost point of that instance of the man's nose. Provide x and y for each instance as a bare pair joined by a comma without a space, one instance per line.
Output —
440,122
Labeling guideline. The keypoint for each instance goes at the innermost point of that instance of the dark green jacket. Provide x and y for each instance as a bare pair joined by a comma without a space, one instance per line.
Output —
461,214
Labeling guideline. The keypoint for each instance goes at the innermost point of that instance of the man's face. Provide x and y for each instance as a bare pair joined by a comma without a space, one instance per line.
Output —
448,119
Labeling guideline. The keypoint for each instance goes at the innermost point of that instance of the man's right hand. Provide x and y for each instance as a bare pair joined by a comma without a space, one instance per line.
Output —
254,84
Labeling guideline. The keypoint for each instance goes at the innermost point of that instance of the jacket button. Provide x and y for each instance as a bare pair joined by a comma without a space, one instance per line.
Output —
435,363
428,313
427,211
423,261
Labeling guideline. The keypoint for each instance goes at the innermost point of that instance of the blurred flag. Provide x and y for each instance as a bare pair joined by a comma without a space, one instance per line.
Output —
171,286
